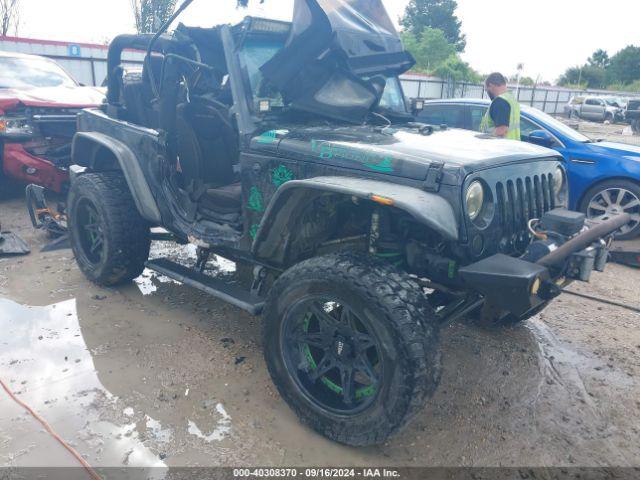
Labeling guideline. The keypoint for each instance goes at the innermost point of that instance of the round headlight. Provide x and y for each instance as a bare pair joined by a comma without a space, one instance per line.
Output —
474,199
558,181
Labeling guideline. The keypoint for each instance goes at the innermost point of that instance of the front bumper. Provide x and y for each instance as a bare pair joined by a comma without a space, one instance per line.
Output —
20,165
517,286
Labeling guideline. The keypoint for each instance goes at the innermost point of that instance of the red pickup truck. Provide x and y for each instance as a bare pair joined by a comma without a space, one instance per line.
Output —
39,102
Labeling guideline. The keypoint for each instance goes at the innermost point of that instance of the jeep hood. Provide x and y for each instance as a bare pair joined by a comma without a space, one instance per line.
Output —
332,45
398,152
61,97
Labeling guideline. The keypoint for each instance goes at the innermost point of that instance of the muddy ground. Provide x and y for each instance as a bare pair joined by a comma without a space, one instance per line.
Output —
158,374
613,132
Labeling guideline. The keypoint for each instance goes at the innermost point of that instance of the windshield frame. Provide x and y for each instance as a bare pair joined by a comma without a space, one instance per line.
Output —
9,64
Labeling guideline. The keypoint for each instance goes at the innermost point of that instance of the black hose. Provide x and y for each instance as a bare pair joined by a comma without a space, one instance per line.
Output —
602,300
582,241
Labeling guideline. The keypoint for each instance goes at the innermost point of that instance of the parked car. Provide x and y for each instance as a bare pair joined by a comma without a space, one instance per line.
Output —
598,109
573,106
251,144
39,102
633,115
604,177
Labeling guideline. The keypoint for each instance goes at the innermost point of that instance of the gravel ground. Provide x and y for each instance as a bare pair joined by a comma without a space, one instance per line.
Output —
617,132
158,374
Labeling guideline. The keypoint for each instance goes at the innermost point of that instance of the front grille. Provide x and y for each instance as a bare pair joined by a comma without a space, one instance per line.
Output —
522,199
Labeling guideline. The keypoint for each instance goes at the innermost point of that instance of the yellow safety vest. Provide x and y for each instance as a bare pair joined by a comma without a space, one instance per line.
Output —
487,125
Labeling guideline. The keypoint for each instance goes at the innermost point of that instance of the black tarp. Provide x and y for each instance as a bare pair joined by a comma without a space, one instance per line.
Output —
332,45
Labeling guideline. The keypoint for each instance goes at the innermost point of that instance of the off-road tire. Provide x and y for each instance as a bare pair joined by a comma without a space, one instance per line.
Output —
126,234
629,185
401,311
609,117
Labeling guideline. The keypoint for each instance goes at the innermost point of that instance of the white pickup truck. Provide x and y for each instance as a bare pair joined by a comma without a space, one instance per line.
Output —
599,109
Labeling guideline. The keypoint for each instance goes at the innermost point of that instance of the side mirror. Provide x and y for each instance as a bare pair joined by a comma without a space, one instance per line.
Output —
542,138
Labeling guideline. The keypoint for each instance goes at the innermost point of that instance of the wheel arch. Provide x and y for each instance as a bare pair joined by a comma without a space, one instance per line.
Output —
281,222
98,152
601,181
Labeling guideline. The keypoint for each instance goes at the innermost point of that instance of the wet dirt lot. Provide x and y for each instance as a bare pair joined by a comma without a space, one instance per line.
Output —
158,374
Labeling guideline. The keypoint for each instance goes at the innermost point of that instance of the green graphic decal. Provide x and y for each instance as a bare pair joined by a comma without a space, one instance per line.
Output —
271,136
255,200
374,161
281,175
253,231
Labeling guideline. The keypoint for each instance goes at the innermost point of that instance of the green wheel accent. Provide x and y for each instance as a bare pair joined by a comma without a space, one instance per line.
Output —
360,393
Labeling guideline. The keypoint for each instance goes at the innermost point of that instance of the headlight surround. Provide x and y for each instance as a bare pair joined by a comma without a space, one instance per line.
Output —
15,127
474,199
560,186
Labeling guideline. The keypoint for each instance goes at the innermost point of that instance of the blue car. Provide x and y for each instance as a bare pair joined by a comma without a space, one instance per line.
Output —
604,177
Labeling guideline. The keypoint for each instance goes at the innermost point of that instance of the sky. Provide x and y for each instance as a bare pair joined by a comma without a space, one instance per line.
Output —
547,36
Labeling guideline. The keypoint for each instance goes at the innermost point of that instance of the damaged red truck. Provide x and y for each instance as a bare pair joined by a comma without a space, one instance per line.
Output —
39,102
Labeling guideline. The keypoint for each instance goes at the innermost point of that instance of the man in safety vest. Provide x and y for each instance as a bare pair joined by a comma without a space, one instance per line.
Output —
503,117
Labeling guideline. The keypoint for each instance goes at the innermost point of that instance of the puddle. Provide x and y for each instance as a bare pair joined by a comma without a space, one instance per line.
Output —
221,431
46,363
566,366
161,435
149,282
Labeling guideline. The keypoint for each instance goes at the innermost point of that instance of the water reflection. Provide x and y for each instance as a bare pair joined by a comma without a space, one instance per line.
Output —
149,281
45,361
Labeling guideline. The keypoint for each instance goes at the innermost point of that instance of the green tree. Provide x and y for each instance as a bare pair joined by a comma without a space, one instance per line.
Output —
586,76
625,66
600,58
150,15
457,69
429,50
440,14
525,81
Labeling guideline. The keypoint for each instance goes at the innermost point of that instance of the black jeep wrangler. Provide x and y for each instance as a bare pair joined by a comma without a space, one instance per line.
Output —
287,148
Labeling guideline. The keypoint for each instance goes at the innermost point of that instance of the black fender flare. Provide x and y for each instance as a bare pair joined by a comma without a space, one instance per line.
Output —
427,208
85,151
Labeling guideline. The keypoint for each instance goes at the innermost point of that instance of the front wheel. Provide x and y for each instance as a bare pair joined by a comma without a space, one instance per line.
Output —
352,346
108,236
611,198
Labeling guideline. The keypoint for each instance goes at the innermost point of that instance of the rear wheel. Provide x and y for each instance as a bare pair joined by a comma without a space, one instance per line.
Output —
352,346
612,198
108,236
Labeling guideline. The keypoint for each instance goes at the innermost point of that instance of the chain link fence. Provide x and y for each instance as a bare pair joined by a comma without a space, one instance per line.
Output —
551,100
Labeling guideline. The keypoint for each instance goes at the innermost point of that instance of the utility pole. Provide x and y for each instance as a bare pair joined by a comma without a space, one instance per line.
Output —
520,69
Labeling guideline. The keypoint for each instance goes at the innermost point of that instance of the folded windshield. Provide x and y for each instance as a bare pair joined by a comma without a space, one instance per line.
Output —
332,47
